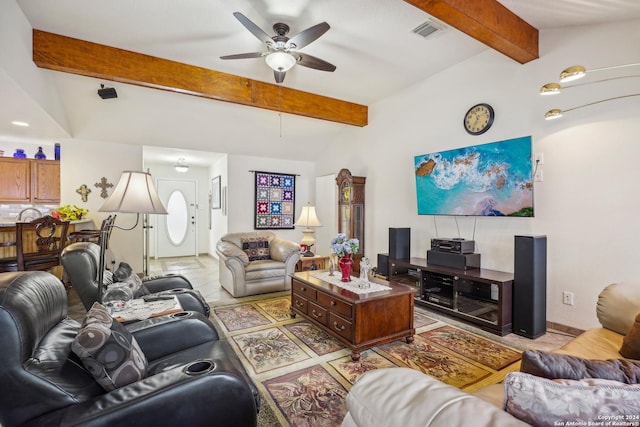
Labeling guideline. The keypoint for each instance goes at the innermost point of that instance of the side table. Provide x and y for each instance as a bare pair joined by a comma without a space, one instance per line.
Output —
316,262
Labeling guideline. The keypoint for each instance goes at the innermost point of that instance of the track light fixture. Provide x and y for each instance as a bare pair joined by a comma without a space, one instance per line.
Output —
576,72
556,113
556,88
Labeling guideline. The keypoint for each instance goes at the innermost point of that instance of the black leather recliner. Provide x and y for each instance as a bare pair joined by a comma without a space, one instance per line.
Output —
81,260
193,377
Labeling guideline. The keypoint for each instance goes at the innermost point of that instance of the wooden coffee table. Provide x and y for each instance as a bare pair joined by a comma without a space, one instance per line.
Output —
360,321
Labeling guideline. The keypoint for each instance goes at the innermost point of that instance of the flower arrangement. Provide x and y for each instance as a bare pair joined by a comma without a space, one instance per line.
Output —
69,212
341,245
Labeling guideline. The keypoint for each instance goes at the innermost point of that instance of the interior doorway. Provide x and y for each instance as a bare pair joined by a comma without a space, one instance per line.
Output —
176,233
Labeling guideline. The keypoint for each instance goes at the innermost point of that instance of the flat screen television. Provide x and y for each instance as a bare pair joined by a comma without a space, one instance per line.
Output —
494,179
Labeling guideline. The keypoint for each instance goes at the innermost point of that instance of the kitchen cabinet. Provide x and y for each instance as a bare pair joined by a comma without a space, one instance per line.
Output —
45,180
29,181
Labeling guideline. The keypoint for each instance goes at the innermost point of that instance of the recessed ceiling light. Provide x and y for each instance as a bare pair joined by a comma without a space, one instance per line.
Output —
19,123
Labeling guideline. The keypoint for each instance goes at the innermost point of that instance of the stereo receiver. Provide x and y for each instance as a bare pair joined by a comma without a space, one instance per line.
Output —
454,246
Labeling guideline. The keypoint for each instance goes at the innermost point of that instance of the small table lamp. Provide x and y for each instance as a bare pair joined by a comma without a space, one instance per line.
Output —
134,193
309,219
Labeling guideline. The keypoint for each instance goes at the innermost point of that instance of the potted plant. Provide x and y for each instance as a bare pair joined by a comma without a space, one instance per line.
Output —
344,248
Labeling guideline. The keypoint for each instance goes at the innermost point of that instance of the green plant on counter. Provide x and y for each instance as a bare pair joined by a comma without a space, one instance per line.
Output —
69,212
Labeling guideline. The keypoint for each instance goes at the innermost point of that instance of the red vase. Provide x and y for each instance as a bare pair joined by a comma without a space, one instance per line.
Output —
346,265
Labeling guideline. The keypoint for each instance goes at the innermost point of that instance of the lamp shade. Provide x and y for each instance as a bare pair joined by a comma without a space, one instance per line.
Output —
308,217
134,193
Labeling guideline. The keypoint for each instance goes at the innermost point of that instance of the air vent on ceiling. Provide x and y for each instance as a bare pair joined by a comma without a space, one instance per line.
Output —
428,29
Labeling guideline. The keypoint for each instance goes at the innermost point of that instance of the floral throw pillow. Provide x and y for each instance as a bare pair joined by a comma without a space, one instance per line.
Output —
108,350
542,402
256,248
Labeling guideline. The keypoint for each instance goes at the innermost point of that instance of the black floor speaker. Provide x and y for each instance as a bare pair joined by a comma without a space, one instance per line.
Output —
530,286
399,243
383,265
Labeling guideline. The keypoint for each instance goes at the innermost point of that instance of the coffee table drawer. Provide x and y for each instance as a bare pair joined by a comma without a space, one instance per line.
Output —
317,313
335,305
299,303
304,290
340,326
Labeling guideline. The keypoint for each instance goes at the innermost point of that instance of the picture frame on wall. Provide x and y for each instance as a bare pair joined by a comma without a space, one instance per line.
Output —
224,200
216,202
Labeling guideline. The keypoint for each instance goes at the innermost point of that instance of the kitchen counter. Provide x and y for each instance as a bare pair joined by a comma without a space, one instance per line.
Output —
80,224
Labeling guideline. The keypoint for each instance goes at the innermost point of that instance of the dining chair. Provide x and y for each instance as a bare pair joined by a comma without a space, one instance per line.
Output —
8,259
39,243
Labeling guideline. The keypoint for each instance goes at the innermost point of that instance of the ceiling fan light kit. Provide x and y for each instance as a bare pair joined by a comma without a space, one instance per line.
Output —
280,61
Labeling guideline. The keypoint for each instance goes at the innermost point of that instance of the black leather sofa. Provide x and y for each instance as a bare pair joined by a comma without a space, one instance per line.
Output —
81,260
193,377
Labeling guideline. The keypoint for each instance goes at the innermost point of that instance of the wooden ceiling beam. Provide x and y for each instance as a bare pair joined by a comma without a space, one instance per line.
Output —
69,55
489,22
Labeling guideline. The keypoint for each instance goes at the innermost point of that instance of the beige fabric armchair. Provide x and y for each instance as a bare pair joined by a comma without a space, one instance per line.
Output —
241,277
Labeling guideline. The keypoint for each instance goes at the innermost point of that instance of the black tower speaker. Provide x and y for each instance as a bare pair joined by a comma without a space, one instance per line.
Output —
530,286
399,243
383,265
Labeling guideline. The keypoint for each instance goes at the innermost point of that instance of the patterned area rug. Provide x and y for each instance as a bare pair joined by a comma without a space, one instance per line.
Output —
305,374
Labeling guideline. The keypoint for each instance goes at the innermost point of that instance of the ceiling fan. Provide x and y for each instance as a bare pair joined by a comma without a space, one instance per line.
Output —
282,51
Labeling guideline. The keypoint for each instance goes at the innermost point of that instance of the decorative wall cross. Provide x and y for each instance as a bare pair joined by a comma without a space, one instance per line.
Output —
103,185
84,191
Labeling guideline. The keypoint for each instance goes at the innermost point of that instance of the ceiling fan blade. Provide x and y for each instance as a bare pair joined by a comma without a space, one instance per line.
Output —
307,36
313,62
255,30
244,55
279,75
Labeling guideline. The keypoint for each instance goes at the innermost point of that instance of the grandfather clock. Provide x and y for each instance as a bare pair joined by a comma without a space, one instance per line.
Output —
351,210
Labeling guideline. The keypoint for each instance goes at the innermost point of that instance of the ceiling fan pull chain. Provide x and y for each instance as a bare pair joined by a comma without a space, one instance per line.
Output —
280,108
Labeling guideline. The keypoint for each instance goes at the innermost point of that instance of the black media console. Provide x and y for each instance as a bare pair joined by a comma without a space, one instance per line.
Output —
477,295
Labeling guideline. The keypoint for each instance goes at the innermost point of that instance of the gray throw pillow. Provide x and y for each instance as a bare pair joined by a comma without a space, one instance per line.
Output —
108,350
554,365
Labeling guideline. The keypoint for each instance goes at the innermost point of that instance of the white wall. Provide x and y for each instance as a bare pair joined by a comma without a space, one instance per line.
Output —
587,204
241,184
219,217
18,72
86,162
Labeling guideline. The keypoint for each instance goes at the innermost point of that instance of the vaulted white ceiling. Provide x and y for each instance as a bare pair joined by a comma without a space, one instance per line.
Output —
370,41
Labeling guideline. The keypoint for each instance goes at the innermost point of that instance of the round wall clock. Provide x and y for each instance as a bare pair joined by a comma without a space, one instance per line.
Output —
478,119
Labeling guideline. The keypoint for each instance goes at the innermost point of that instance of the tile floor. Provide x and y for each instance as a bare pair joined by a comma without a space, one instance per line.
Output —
202,272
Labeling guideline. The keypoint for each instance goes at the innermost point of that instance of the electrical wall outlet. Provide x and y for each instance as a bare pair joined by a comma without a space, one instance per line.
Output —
567,298
538,176
539,158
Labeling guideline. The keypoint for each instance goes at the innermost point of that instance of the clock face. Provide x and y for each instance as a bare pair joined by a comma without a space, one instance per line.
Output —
478,119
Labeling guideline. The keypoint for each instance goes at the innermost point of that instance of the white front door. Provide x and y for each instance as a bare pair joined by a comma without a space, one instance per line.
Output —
176,233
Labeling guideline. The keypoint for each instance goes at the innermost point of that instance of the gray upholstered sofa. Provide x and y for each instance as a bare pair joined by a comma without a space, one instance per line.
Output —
406,397
241,276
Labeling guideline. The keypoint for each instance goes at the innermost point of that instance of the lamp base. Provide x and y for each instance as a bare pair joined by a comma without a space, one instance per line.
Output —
307,254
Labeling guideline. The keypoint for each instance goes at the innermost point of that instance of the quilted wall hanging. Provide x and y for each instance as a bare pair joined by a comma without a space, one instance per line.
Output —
275,200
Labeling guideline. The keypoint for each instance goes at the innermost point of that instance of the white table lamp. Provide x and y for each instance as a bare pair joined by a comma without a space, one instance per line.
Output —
308,219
